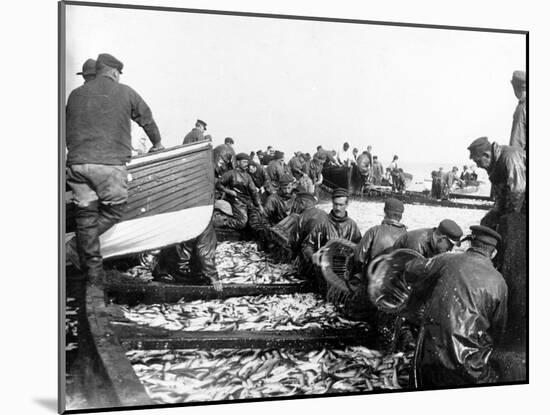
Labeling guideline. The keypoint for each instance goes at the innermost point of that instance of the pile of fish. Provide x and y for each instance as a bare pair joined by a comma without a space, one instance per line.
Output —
243,262
71,324
274,312
178,376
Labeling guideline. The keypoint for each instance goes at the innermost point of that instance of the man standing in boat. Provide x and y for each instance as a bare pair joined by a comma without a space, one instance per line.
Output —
277,167
518,136
99,144
241,193
88,70
448,180
506,166
377,171
196,134
345,156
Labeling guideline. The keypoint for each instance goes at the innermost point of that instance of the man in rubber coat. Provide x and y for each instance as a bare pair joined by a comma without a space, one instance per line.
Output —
464,315
507,171
240,192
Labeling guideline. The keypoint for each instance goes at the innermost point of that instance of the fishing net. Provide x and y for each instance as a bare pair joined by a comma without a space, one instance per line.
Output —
387,288
336,259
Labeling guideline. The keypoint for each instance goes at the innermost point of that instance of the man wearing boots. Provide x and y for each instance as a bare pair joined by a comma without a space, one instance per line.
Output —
99,146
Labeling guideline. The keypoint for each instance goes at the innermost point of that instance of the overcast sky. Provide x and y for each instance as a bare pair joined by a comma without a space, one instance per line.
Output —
423,94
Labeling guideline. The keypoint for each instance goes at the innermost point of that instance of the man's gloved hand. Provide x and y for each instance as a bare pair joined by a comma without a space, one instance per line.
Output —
156,147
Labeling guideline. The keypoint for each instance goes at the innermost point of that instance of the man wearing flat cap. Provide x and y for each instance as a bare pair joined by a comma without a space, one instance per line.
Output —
241,192
88,70
99,144
196,134
430,242
506,167
464,314
383,236
337,225
518,136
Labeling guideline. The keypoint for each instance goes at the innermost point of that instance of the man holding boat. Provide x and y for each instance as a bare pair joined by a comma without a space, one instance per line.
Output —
99,114
196,134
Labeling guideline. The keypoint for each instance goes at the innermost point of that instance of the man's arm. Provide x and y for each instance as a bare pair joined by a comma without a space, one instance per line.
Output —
142,115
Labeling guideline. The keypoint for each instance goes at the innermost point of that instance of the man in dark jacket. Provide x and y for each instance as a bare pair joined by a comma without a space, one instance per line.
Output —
224,157
258,174
464,316
278,205
364,166
241,193
507,171
431,241
381,237
99,144
518,135
277,167
196,134
337,225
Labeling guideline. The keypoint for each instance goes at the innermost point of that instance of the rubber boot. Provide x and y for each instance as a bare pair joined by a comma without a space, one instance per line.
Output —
87,239
108,216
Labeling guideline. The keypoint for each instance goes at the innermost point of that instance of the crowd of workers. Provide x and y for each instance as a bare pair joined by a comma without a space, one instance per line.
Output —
462,296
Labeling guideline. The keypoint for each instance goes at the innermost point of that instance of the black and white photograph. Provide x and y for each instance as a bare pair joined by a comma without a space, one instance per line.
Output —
257,207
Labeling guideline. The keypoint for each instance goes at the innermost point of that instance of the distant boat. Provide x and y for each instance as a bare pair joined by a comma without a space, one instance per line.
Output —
170,200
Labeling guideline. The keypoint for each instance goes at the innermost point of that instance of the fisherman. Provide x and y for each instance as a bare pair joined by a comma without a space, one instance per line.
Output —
191,262
465,175
506,166
268,156
224,157
315,172
258,175
518,136
196,134
395,176
448,180
99,145
278,206
325,156
337,225
241,192
369,154
436,185
364,167
381,237
310,216
377,171
297,165
277,167
345,157
88,70
464,313
431,241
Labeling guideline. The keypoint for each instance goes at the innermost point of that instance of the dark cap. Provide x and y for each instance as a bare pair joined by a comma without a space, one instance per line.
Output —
485,235
242,156
306,196
518,78
450,229
110,61
201,122
394,205
339,193
229,140
278,155
480,145
88,68
286,179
